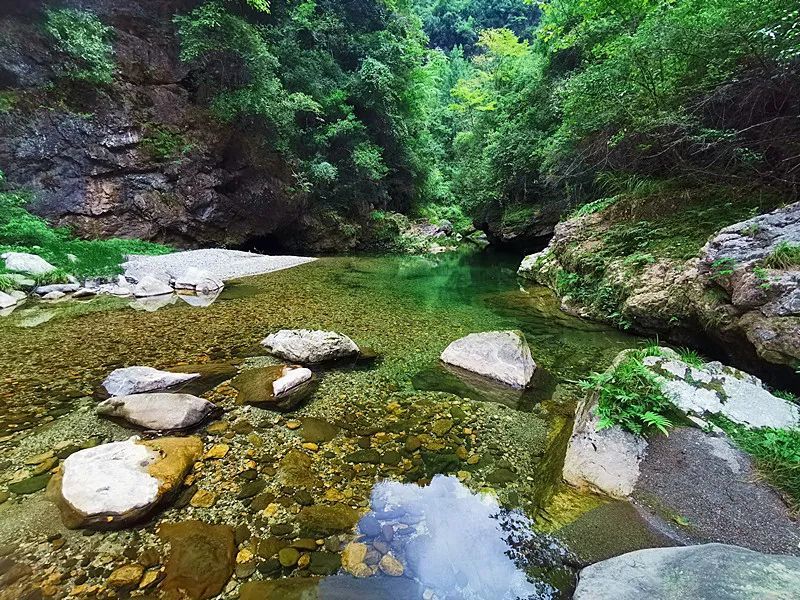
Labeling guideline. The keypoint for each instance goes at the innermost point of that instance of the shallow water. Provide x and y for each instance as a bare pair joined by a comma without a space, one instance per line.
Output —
420,418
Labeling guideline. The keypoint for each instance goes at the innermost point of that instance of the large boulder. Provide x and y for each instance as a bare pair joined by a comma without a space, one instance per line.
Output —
706,572
198,281
150,286
134,380
25,262
528,267
7,300
500,355
718,389
120,483
310,346
159,411
279,387
605,461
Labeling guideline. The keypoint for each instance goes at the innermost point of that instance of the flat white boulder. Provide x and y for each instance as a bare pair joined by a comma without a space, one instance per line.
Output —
134,380
7,300
707,571
719,389
65,288
150,286
54,295
310,346
24,262
197,280
117,483
160,411
290,380
500,355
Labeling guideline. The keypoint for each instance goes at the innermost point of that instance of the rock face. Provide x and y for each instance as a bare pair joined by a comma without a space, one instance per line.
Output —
278,387
135,380
709,571
27,263
305,346
605,461
727,294
500,355
161,412
119,483
201,558
717,389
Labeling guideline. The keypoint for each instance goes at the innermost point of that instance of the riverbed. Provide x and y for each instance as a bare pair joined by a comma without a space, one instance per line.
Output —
398,417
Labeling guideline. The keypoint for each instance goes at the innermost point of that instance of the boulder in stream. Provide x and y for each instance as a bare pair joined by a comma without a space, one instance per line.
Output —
307,346
500,355
707,571
119,483
134,380
198,281
158,411
279,387
150,286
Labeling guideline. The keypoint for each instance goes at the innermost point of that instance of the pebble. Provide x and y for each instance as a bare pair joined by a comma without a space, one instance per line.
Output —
203,499
217,451
293,425
126,576
391,566
311,446
288,557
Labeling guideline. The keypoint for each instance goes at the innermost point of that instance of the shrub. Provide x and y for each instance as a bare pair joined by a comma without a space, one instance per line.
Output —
84,41
629,395
162,143
785,256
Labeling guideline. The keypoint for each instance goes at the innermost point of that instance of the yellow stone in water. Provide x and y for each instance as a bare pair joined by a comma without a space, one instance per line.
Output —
311,446
245,555
304,561
293,424
149,579
217,451
462,453
334,495
473,460
391,566
217,427
125,576
353,558
271,510
464,475
203,499
39,458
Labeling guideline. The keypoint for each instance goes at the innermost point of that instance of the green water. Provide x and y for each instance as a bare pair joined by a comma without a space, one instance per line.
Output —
420,419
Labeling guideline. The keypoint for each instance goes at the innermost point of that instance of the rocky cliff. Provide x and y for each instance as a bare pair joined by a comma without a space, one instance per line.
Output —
139,157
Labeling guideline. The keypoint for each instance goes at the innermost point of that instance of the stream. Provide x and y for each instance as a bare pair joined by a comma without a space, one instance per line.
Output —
469,473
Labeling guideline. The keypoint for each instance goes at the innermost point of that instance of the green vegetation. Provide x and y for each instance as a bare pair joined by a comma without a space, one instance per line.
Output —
162,143
20,231
691,357
785,255
84,42
629,395
776,451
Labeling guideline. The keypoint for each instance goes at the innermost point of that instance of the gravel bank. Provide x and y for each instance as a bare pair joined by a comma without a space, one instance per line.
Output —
219,263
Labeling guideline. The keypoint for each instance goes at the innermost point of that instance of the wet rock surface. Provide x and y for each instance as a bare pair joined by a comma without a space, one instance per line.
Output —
134,380
500,355
309,347
708,571
158,411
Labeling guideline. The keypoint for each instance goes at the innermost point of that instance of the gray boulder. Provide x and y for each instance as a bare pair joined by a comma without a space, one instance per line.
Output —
150,286
134,380
500,355
605,461
527,267
197,280
55,295
706,572
160,411
64,288
25,262
719,389
308,346
7,300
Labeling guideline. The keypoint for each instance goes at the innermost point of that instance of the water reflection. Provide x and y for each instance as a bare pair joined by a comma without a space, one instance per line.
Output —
459,545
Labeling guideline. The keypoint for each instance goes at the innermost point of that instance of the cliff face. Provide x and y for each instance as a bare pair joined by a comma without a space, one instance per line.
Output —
139,157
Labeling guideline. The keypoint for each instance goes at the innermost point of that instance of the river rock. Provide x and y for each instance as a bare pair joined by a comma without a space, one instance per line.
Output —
7,300
278,387
64,288
719,389
201,558
159,411
500,355
150,286
54,295
709,571
134,380
119,483
323,519
308,347
25,262
197,280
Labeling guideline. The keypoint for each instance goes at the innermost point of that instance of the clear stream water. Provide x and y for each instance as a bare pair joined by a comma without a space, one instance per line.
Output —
421,418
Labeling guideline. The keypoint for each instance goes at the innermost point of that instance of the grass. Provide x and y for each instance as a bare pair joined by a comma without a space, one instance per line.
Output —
690,357
20,231
785,256
776,452
629,395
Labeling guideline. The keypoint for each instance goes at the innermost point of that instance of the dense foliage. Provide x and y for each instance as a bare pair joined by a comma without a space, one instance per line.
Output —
84,43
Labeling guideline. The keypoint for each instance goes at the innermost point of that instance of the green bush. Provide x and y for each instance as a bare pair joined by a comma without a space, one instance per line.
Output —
785,256
162,143
629,395
84,41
